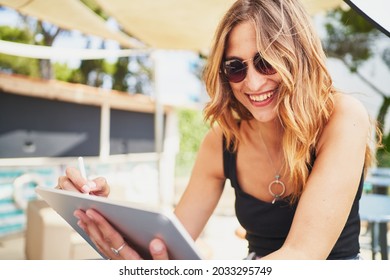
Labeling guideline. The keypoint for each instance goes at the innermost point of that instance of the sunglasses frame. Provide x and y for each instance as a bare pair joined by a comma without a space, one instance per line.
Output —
261,65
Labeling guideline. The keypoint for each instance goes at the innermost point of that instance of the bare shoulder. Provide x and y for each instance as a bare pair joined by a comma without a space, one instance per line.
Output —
350,108
213,139
349,121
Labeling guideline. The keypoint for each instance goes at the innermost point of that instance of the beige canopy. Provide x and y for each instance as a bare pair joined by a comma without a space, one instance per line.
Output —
161,24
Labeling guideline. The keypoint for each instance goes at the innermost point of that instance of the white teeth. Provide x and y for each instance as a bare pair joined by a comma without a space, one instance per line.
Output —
260,98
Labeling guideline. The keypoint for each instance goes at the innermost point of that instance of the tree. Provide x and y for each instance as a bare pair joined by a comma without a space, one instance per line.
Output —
128,74
352,40
15,64
140,74
121,73
30,31
48,33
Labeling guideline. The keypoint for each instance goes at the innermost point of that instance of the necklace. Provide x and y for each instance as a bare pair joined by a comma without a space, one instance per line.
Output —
277,176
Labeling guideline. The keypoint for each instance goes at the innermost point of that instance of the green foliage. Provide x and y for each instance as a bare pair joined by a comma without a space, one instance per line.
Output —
90,72
63,72
192,129
353,22
350,37
120,72
16,64
19,65
95,8
13,34
383,156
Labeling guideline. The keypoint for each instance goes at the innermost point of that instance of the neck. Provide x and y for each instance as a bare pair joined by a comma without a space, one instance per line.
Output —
271,133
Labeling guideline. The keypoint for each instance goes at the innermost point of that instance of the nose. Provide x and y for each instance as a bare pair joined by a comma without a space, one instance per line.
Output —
254,80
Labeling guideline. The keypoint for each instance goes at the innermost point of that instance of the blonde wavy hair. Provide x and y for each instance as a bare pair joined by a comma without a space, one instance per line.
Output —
287,40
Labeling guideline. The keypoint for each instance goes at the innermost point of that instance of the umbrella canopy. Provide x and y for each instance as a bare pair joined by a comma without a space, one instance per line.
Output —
180,24
163,24
71,15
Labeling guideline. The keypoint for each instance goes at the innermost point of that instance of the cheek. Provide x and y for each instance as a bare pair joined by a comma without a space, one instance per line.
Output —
236,90
241,98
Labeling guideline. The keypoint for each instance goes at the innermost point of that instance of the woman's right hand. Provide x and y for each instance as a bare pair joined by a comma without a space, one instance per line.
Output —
74,181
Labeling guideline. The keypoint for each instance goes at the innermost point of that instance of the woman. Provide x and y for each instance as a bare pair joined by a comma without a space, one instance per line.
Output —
294,148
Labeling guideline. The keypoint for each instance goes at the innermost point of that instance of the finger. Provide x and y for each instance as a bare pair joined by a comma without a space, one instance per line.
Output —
111,237
86,229
77,179
85,222
158,250
128,253
109,234
65,184
77,182
101,187
92,230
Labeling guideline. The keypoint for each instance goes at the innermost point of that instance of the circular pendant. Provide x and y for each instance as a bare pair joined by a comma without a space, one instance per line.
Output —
276,196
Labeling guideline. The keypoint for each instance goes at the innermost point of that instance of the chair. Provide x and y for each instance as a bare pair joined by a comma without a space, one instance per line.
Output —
49,237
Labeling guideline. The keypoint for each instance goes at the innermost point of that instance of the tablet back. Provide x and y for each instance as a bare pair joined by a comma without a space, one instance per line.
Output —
138,226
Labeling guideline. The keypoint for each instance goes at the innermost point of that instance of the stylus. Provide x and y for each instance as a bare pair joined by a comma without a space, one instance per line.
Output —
85,188
82,167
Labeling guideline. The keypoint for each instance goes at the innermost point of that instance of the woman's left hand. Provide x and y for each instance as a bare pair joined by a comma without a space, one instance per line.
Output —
109,242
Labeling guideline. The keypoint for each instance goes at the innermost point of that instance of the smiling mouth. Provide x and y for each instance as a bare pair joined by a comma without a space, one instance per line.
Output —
261,97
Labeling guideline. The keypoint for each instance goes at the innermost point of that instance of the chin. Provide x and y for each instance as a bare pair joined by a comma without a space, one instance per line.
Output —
264,117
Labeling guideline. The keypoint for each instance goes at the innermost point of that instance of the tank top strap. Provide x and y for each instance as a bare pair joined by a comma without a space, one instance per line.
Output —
229,160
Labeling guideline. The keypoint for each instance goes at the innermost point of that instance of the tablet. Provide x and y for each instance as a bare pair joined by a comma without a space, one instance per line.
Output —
136,224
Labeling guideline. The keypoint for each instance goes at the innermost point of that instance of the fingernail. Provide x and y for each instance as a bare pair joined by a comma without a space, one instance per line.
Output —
89,214
81,225
92,185
158,247
86,189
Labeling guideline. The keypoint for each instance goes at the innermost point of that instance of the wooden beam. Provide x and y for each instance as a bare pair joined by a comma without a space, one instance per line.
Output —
76,93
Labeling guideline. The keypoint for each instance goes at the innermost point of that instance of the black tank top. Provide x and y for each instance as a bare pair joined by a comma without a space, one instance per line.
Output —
267,224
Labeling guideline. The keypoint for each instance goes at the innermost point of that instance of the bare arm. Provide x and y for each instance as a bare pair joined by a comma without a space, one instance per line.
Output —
194,209
205,186
331,188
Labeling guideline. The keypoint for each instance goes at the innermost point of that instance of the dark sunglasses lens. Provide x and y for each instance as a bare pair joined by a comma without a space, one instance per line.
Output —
263,66
234,70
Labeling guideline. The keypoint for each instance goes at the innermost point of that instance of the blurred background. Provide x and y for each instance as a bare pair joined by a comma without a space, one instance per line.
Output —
119,82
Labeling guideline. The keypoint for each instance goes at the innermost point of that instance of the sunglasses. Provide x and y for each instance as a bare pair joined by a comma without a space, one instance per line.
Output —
235,69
